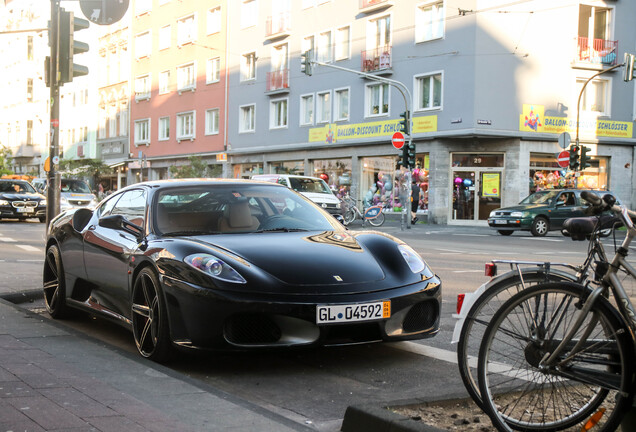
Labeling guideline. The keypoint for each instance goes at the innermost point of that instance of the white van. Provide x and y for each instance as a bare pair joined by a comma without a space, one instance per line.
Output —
312,187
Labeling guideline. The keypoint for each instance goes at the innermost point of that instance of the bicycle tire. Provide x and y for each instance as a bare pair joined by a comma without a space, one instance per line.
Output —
481,313
377,221
349,216
518,394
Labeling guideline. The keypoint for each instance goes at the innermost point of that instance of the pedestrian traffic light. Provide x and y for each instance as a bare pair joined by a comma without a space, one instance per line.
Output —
410,154
305,62
68,46
574,157
405,123
585,159
628,72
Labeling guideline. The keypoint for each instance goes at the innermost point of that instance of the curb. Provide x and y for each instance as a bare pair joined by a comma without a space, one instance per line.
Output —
23,296
374,418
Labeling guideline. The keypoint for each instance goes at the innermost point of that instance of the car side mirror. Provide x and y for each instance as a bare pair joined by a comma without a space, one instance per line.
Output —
560,203
120,223
81,218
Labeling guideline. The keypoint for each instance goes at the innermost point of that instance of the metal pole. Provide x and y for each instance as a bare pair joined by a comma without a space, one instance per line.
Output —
53,178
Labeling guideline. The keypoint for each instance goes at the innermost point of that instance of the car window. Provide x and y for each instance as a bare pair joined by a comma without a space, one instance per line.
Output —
567,198
75,186
16,187
542,197
132,205
309,185
107,205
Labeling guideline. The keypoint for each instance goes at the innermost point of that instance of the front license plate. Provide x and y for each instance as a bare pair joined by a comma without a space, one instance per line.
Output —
333,314
500,222
25,210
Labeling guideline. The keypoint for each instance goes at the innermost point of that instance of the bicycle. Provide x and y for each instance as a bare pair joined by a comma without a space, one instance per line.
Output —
561,356
373,214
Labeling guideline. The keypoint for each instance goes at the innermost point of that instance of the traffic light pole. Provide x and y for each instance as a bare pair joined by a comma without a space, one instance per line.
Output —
53,177
406,94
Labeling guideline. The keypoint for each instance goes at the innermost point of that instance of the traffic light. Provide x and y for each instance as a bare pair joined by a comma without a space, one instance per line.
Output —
404,162
574,157
628,72
68,46
405,123
585,159
305,62
410,155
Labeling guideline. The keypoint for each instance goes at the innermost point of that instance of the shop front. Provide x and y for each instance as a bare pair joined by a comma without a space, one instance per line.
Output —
545,173
337,173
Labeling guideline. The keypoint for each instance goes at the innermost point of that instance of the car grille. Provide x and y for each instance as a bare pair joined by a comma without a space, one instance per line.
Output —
22,204
79,202
502,213
422,316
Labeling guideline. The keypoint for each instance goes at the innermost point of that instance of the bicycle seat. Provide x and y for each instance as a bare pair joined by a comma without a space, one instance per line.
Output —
579,228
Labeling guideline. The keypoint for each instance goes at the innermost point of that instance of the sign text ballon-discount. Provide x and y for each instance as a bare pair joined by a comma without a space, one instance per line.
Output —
104,12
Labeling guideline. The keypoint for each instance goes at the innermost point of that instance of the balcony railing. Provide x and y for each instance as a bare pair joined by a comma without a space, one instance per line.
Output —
597,51
368,3
376,59
278,24
278,80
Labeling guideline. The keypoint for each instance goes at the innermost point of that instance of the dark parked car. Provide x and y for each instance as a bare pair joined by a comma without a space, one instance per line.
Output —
234,264
540,212
19,200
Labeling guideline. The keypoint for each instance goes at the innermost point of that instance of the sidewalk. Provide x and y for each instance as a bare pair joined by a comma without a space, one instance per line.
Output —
56,379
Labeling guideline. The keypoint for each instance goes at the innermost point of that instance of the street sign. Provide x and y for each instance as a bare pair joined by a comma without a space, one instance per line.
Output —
564,140
398,140
563,159
104,12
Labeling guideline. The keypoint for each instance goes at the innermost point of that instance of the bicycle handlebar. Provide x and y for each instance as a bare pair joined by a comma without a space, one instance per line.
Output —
608,202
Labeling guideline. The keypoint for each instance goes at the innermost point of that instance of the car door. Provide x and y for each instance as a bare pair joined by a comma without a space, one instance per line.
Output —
107,251
565,207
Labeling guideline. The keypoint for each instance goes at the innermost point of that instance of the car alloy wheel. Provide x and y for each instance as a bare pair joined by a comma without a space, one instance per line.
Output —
53,284
149,318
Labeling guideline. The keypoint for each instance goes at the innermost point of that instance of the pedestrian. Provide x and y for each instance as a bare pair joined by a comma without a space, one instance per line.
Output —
415,201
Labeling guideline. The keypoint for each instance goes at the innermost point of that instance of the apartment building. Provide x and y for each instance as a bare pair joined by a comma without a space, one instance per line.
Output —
178,71
490,85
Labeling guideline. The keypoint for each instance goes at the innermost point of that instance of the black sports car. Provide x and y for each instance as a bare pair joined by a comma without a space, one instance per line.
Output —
20,200
216,264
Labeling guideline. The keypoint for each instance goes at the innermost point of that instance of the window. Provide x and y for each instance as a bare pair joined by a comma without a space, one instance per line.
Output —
323,110
595,98
379,33
185,125
213,70
280,58
186,30
308,45
142,87
29,47
112,120
165,37
428,91
323,49
214,20
343,37
377,100
249,13
29,132
132,205
143,45
429,19
29,89
164,128
164,82
123,118
186,77
143,6
278,114
248,66
341,105
307,110
247,118
212,121
142,131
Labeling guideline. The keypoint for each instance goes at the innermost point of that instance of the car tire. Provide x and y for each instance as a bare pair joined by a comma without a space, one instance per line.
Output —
150,318
540,226
42,219
506,232
53,284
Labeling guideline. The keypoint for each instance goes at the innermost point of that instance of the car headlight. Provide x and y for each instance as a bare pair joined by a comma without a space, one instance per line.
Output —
63,200
4,202
213,266
42,203
516,214
493,213
414,260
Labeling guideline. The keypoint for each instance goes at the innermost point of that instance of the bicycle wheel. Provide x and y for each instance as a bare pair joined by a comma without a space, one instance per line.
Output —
377,221
349,216
587,384
481,313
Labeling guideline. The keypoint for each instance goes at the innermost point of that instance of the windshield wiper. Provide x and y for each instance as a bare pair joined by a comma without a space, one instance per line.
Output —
189,233
282,230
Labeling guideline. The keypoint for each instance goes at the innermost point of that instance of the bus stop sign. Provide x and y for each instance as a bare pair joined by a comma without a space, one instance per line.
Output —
104,12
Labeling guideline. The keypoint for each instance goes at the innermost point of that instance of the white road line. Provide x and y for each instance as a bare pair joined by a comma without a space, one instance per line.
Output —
29,248
450,250
468,271
31,261
7,239
473,235
542,239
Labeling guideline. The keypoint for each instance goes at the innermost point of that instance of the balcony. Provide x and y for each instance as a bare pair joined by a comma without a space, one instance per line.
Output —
378,59
596,52
278,81
278,26
370,6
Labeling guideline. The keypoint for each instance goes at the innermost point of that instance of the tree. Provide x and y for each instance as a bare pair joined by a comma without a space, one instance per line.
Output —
5,161
196,168
91,169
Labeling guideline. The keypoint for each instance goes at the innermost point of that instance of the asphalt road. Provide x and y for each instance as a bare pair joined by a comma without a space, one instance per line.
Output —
314,387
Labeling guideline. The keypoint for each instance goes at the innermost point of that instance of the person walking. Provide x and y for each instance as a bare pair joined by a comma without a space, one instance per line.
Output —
415,201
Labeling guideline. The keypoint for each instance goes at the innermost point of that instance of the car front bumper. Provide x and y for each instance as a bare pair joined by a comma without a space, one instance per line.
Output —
509,223
9,212
211,319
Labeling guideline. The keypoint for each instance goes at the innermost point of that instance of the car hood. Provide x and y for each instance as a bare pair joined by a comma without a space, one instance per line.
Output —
304,258
21,196
527,207
321,197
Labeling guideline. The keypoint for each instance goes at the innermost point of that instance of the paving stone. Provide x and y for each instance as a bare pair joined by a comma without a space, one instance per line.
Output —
8,341
9,389
77,402
45,413
5,375
34,376
116,424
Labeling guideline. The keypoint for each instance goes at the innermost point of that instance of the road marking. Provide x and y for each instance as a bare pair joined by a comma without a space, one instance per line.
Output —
473,235
7,239
468,271
31,261
29,248
542,239
450,250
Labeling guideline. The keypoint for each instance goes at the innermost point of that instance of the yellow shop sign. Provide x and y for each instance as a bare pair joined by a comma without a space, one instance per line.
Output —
332,133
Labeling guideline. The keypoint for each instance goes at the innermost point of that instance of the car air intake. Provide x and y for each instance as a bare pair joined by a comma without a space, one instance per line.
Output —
252,329
422,316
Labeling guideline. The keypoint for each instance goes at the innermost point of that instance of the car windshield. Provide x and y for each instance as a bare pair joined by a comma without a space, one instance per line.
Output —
542,197
16,187
236,208
75,186
300,184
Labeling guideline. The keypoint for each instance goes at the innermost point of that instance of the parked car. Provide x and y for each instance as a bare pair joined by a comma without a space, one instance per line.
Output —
540,212
217,264
76,193
20,200
313,188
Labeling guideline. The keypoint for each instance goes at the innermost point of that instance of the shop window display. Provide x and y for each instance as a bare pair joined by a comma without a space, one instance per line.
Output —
336,173
545,173
291,168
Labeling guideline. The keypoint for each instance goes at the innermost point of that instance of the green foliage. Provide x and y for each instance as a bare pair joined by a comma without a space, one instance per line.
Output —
92,169
5,161
197,168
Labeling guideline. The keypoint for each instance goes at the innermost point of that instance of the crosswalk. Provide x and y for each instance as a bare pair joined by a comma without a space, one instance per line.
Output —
13,246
